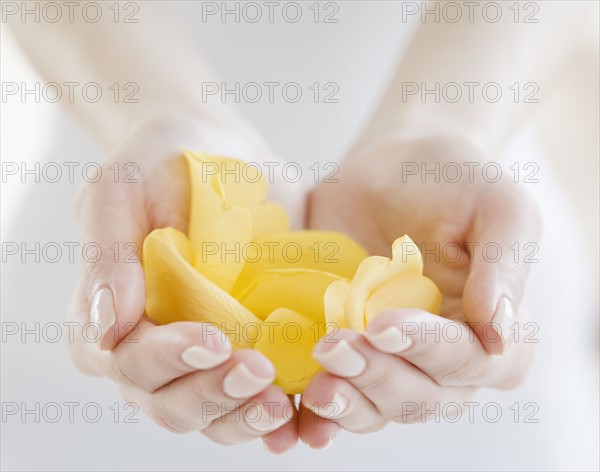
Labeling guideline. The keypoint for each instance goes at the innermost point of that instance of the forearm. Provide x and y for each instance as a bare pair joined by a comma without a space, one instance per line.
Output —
459,60
152,55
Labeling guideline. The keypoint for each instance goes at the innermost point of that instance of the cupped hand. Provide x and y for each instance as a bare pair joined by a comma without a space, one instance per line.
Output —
476,236
184,375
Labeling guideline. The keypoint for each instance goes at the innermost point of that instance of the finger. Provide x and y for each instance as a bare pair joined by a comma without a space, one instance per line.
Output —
315,431
334,398
153,356
446,350
285,438
505,231
265,413
150,356
192,402
395,386
80,346
113,222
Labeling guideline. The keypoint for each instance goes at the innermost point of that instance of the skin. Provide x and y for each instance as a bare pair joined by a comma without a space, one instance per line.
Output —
171,392
368,203
441,371
430,370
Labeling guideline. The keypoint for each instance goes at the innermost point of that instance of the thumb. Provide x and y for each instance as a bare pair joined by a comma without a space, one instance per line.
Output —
114,224
502,242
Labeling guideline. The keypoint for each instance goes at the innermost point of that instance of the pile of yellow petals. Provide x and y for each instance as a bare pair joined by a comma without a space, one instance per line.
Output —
278,291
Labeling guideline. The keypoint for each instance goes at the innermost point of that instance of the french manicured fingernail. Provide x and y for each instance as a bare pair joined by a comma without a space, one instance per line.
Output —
327,445
241,382
263,420
103,313
331,409
341,359
199,357
271,451
390,340
502,322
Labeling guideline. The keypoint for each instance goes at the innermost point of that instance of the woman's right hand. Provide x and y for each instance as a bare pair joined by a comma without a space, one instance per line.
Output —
183,375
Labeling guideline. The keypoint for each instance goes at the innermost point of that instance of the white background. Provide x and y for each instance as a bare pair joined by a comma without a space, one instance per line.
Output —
564,378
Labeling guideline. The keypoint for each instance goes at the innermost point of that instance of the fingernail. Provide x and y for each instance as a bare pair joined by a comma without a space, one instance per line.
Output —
502,322
342,359
103,313
271,451
241,382
327,445
199,357
263,420
331,409
390,340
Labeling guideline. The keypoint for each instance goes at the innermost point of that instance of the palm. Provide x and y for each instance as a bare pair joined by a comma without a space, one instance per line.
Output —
375,201
126,211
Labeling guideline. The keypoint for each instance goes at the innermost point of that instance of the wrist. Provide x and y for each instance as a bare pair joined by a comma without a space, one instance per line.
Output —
484,132
441,135
219,134
223,135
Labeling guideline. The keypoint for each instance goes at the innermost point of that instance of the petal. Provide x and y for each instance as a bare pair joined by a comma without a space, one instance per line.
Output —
413,291
219,257
241,184
267,218
300,290
215,226
288,343
335,300
242,181
327,251
406,256
176,291
374,271
245,186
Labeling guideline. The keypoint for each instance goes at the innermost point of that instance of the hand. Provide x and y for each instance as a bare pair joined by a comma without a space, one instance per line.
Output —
395,365
182,374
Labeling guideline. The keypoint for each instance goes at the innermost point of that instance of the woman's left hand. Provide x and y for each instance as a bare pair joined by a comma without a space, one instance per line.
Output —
410,364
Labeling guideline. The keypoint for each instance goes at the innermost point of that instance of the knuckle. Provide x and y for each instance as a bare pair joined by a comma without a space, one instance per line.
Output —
163,418
410,412
199,392
404,415
376,382
395,409
459,372
122,372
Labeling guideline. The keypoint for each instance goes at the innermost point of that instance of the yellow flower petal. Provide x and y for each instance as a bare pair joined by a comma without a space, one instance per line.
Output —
176,291
267,218
242,181
215,226
245,186
414,291
287,340
240,245
326,251
335,299
241,184
374,271
220,256
301,290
